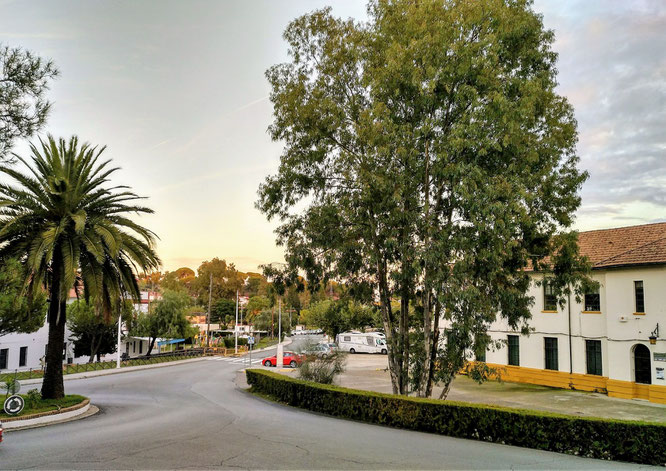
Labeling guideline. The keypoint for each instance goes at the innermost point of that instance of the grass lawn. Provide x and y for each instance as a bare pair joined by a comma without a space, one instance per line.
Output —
45,405
265,342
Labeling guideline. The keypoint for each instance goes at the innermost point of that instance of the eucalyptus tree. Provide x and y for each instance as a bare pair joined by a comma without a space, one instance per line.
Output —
428,159
72,230
24,80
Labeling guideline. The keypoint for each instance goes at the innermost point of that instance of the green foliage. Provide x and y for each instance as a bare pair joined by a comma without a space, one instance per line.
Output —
24,80
182,279
588,437
264,320
226,280
222,309
427,158
71,230
334,317
93,334
322,368
32,398
166,319
18,313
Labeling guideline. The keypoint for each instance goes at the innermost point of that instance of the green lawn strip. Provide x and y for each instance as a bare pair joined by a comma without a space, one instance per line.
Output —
45,405
105,365
633,441
265,342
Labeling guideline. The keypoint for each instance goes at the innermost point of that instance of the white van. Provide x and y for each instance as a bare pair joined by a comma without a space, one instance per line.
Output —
352,342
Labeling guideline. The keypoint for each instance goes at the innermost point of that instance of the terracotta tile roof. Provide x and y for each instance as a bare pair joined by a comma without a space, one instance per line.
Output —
633,245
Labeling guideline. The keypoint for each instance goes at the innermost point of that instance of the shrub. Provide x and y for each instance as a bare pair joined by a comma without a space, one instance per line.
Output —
32,398
637,442
322,368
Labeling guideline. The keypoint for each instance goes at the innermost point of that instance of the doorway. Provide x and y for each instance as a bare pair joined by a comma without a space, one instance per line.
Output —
642,368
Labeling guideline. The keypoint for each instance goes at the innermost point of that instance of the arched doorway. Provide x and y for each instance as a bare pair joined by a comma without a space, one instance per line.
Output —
642,369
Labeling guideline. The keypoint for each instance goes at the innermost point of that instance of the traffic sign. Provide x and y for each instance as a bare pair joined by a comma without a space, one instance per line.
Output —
14,404
250,340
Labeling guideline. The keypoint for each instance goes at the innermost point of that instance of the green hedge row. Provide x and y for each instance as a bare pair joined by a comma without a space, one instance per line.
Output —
637,442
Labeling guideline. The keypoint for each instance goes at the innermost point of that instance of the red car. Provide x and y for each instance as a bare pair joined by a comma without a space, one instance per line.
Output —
288,358
0,432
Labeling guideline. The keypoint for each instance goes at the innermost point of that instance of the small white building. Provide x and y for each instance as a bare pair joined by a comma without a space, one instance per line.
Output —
23,351
615,340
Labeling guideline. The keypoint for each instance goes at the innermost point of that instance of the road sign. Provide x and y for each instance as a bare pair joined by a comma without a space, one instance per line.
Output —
14,405
250,340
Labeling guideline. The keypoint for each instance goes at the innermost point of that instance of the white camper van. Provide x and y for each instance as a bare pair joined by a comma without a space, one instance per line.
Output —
352,342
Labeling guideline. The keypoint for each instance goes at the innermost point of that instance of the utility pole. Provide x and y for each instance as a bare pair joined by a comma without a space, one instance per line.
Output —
210,295
120,323
280,357
236,326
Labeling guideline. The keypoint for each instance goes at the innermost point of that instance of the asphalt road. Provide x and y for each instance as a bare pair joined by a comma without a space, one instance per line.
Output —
193,416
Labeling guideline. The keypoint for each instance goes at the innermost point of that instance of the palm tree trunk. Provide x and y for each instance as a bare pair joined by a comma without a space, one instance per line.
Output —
53,386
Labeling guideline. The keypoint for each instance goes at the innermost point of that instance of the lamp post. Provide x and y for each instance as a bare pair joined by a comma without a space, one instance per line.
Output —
120,323
236,326
280,352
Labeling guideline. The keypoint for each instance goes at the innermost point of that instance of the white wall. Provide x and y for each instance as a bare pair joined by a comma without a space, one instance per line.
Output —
618,337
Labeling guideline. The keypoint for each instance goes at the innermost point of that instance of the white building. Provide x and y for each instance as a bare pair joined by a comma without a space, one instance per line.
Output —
613,342
23,351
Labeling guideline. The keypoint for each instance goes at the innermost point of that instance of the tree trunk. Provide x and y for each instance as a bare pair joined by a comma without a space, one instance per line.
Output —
52,385
433,351
151,345
392,344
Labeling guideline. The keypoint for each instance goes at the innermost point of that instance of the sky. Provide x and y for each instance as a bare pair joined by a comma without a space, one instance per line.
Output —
176,91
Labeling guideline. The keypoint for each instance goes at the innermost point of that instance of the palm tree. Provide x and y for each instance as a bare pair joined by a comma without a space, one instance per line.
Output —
72,231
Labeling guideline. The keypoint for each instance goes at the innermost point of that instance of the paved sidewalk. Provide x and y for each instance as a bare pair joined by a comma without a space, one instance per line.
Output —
368,372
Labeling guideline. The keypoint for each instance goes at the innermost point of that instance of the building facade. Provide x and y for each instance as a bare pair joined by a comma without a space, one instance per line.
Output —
609,342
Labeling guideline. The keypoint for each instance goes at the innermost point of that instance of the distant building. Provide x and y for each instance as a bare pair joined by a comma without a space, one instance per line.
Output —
612,342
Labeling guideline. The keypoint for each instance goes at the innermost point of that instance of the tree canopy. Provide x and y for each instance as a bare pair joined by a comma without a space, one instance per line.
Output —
427,159
71,230
24,80
93,334
18,313
166,318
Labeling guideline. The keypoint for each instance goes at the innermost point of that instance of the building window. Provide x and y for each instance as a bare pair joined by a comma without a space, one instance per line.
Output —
23,356
640,298
593,301
593,356
550,344
514,350
140,347
4,354
549,298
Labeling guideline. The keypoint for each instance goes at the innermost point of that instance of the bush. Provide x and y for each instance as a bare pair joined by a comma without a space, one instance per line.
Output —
230,342
637,442
32,398
322,368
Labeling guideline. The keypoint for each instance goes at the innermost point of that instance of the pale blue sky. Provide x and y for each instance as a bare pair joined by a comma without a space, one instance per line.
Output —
176,90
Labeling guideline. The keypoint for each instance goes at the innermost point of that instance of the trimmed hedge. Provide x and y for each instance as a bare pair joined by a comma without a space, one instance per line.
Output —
637,442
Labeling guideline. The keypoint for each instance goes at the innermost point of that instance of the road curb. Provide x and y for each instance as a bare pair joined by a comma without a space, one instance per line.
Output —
49,418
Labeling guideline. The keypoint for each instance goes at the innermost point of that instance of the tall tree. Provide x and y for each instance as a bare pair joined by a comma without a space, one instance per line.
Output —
93,334
24,80
226,280
166,318
71,230
434,161
18,313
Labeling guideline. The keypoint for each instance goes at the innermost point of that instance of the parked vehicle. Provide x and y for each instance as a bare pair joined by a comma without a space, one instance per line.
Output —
0,432
353,342
333,346
319,349
288,358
